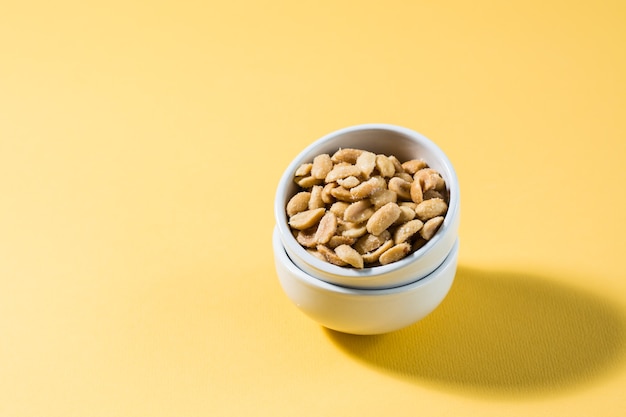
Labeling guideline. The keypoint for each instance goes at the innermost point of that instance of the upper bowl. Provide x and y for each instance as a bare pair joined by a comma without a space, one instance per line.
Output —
386,139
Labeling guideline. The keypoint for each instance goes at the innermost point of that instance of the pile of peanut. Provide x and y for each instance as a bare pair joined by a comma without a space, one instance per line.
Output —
360,209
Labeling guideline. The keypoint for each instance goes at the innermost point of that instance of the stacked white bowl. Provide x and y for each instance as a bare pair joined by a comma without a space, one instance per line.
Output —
382,298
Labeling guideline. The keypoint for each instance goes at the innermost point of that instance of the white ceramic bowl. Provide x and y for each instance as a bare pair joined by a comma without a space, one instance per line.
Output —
376,299
363,312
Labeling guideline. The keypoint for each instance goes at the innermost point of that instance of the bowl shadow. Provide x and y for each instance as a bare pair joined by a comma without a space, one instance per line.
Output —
504,334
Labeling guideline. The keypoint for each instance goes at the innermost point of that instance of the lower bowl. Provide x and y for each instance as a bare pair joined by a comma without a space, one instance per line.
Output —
362,311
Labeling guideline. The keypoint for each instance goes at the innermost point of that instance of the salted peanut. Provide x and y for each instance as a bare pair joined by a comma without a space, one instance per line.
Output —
408,204
368,188
395,253
306,219
342,194
400,187
433,194
428,209
385,166
298,203
348,155
349,182
321,166
383,197
307,182
429,179
358,212
352,230
338,208
416,192
349,255
407,230
366,163
397,166
373,257
383,218
304,170
340,240
342,171
407,213
371,242
431,227
327,197
327,228
330,256
316,200
307,237
414,165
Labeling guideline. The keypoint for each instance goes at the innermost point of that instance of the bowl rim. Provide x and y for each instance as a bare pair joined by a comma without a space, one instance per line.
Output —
288,263
308,153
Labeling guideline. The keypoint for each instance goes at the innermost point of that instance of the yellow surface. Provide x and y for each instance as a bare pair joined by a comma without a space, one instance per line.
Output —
140,147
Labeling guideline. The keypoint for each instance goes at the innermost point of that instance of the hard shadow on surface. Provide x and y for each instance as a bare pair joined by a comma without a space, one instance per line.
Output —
502,334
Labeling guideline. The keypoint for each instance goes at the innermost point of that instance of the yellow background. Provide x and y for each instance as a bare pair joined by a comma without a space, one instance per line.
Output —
140,147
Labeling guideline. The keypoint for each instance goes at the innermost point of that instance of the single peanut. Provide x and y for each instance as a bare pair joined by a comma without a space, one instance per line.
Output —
368,188
349,255
413,166
349,182
401,187
340,240
316,200
327,197
397,166
327,228
406,214
395,253
428,209
371,242
306,219
304,170
382,197
307,237
358,212
366,163
298,203
342,194
407,230
339,208
385,166
417,196
429,179
308,181
383,218
431,227
348,155
321,166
